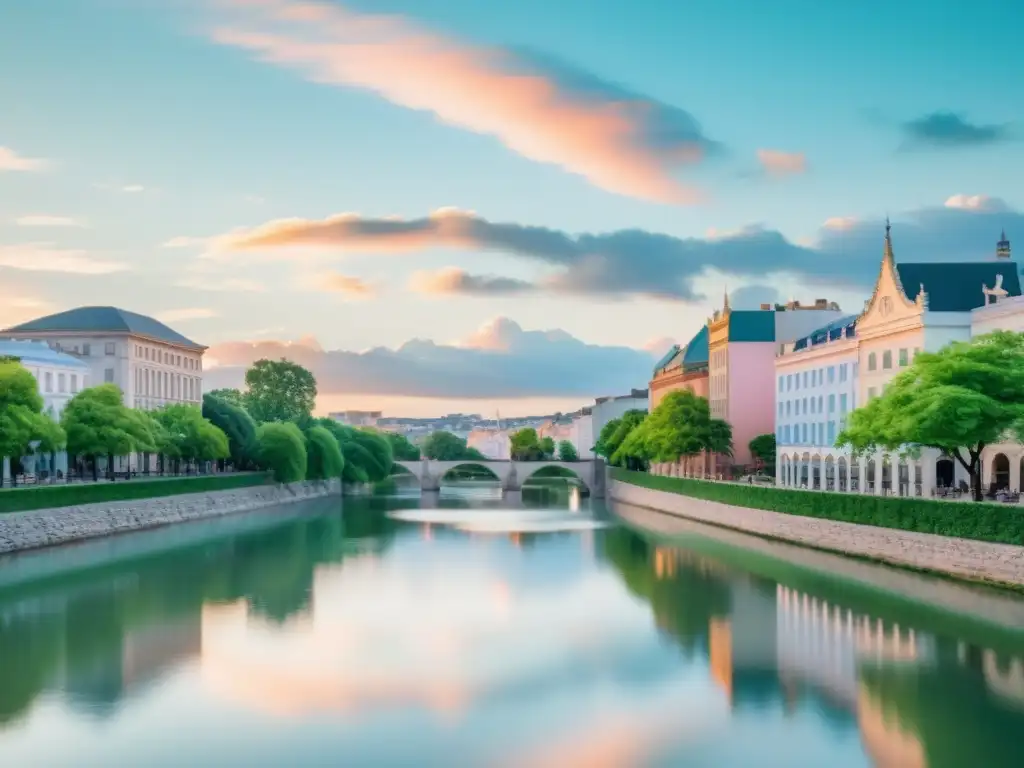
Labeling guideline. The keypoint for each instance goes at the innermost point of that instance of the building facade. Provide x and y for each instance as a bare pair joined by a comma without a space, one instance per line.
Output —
357,418
494,443
59,377
914,307
606,409
683,368
150,363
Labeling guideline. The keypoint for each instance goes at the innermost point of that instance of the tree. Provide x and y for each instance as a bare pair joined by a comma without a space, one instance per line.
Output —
324,458
229,395
368,457
615,431
547,446
526,445
232,419
444,446
189,436
401,448
762,448
22,420
282,450
97,424
958,400
279,390
567,451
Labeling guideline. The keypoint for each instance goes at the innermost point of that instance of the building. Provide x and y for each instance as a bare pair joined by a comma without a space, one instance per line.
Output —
741,363
682,368
59,377
914,306
606,409
581,433
492,442
151,364
357,418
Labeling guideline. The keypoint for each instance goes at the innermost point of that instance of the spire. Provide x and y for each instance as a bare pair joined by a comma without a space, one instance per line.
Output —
888,241
1003,247
725,305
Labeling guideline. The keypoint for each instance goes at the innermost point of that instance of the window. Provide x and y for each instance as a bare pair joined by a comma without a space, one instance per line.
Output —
812,405
805,379
782,383
49,381
842,403
872,362
871,393
804,406
886,360
831,374
804,431
831,403
782,408
796,381
62,385
904,358
108,348
74,383
108,375
842,372
831,432
821,403
788,408
814,378
86,350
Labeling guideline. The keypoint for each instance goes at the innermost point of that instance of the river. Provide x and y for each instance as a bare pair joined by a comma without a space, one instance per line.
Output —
470,630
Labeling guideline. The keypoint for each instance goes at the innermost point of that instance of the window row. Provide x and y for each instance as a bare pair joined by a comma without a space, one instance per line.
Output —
904,358
820,433
813,405
817,377
164,357
63,382
167,385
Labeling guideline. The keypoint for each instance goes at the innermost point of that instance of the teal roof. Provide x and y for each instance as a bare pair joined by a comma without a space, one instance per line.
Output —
697,352
667,358
37,352
956,287
106,320
751,325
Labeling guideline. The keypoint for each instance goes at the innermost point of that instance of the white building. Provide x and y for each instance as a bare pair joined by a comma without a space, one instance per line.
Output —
605,409
914,306
492,443
357,418
581,434
151,364
59,377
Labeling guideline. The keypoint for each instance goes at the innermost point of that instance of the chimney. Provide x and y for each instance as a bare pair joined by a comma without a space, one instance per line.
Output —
766,307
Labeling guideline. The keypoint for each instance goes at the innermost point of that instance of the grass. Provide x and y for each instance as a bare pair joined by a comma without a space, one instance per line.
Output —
49,496
999,523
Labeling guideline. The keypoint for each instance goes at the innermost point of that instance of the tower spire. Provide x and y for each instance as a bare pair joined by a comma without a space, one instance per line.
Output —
725,304
888,241
1003,247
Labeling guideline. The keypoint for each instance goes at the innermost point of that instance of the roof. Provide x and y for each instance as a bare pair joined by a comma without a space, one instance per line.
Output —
834,330
106,320
697,352
751,325
37,352
667,358
956,287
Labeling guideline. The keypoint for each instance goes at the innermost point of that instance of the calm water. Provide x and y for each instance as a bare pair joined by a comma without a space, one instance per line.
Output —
475,631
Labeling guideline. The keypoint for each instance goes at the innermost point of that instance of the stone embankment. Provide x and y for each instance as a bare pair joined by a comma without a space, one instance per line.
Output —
963,558
49,527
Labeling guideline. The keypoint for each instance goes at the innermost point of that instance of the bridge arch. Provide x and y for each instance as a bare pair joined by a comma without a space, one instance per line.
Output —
582,471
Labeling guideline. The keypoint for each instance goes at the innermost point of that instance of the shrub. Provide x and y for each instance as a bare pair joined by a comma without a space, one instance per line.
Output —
1000,523
282,450
323,454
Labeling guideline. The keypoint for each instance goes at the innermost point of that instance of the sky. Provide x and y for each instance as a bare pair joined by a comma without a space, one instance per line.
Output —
451,205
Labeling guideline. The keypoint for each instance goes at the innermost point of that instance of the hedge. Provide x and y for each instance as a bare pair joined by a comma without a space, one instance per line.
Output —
48,496
984,521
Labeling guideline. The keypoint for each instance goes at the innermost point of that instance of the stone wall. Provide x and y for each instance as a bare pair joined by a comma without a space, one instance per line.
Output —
963,558
48,527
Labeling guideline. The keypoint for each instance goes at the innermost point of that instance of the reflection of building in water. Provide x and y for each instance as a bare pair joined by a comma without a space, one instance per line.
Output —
1004,676
742,646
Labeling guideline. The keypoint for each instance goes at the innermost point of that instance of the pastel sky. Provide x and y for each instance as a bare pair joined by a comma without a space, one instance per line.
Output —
458,205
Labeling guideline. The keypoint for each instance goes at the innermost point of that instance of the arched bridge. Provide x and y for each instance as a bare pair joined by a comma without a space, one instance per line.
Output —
512,474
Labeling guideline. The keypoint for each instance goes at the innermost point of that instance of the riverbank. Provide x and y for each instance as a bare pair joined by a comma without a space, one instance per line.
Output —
968,559
50,527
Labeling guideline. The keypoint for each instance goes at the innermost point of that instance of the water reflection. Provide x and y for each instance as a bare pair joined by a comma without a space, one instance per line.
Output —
501,635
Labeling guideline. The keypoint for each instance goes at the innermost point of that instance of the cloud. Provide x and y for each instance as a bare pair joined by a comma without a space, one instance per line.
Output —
126,188
216,284
187,313
42,220
498,360
635,262
777,163
453,280
539,107
982,203
183,241
753,296
12,161
949,130
46,257
16,307
347,285
132,188
659,346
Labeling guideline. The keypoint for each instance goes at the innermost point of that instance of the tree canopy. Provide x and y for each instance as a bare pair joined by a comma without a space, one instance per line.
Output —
680,427
367,453
22,420
97,423
567,451
763,448
188,435
282,450
227,394
547,446
324,457
615,431
526,445
279,390
957,400
444,446
401,448
232,419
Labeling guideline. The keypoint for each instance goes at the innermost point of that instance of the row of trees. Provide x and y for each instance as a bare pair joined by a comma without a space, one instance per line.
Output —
527,445
680,427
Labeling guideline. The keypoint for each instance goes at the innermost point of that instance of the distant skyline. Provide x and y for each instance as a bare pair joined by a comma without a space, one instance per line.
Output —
509,204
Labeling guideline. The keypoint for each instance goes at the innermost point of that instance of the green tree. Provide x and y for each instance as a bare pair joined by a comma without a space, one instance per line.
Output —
615,431
282,450
368,457
226,394
324,457
232,419
97,424
22,420
567,451
401,448
957,400
547,446
279,390
526,445
189,436
762,448
444,446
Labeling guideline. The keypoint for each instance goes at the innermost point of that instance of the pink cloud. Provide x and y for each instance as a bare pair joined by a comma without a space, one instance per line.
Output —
778,163
620,142
12,161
